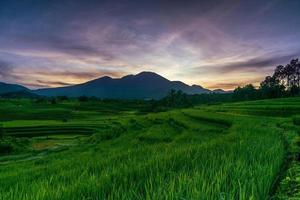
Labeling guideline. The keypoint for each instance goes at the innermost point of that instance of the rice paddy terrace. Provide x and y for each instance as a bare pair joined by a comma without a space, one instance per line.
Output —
92,150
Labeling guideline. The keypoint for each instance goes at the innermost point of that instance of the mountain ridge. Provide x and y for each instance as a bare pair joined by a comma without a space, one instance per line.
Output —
144,85
7,88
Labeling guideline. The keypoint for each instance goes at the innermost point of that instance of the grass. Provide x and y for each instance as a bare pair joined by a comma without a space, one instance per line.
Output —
242,150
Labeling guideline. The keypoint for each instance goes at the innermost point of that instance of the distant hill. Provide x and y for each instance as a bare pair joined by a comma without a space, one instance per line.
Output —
145,85
20,94
220,91
7,88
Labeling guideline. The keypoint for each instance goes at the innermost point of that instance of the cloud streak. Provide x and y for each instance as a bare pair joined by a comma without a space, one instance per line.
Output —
53,83
5,69
257,63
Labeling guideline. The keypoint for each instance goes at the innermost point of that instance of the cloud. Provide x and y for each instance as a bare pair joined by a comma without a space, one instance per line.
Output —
256,63
5,69
43,78
77,74
73,45
77,41
233,84
261,63
7,72
53,83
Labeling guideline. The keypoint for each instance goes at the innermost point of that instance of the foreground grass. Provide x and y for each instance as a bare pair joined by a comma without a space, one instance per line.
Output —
200,153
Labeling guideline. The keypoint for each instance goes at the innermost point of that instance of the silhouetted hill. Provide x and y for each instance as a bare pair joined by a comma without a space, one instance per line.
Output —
220,91
145,85
19,94
7,88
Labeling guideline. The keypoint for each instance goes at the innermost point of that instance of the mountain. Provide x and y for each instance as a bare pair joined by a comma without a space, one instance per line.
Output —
19,94
145,85
220,91
7,88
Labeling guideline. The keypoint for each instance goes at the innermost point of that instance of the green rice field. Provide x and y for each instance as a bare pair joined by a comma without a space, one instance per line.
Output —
95,150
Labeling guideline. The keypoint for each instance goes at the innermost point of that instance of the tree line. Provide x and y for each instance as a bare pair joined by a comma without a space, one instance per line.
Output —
284,82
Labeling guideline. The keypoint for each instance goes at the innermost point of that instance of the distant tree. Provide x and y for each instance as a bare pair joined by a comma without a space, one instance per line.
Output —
271,87
40,100
297,71
285,81
1,131
294,90
248,92
290,74
53,101
93,98
176,99
83,98
278,74
294,63
63,98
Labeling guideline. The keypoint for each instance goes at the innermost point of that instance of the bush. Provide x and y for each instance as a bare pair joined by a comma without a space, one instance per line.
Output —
296,120
63,98
1,131
83,99
40,100
5,148
108,135
53,101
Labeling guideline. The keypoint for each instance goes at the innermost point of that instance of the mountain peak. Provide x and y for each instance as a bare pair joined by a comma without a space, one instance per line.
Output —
144,85
106,77
148,74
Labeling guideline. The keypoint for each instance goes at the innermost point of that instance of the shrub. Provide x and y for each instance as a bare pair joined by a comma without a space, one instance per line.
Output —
108,135
63,98
5,148
83,99
53,101
1,131
296,120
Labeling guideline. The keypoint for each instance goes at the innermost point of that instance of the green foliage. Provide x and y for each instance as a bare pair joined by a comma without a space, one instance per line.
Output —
109,134
5,148
2,132
285,82
245,93
107,151
271,88
83,98
178,99
290,186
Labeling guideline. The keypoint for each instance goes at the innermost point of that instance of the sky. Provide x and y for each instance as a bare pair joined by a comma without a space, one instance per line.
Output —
212,43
